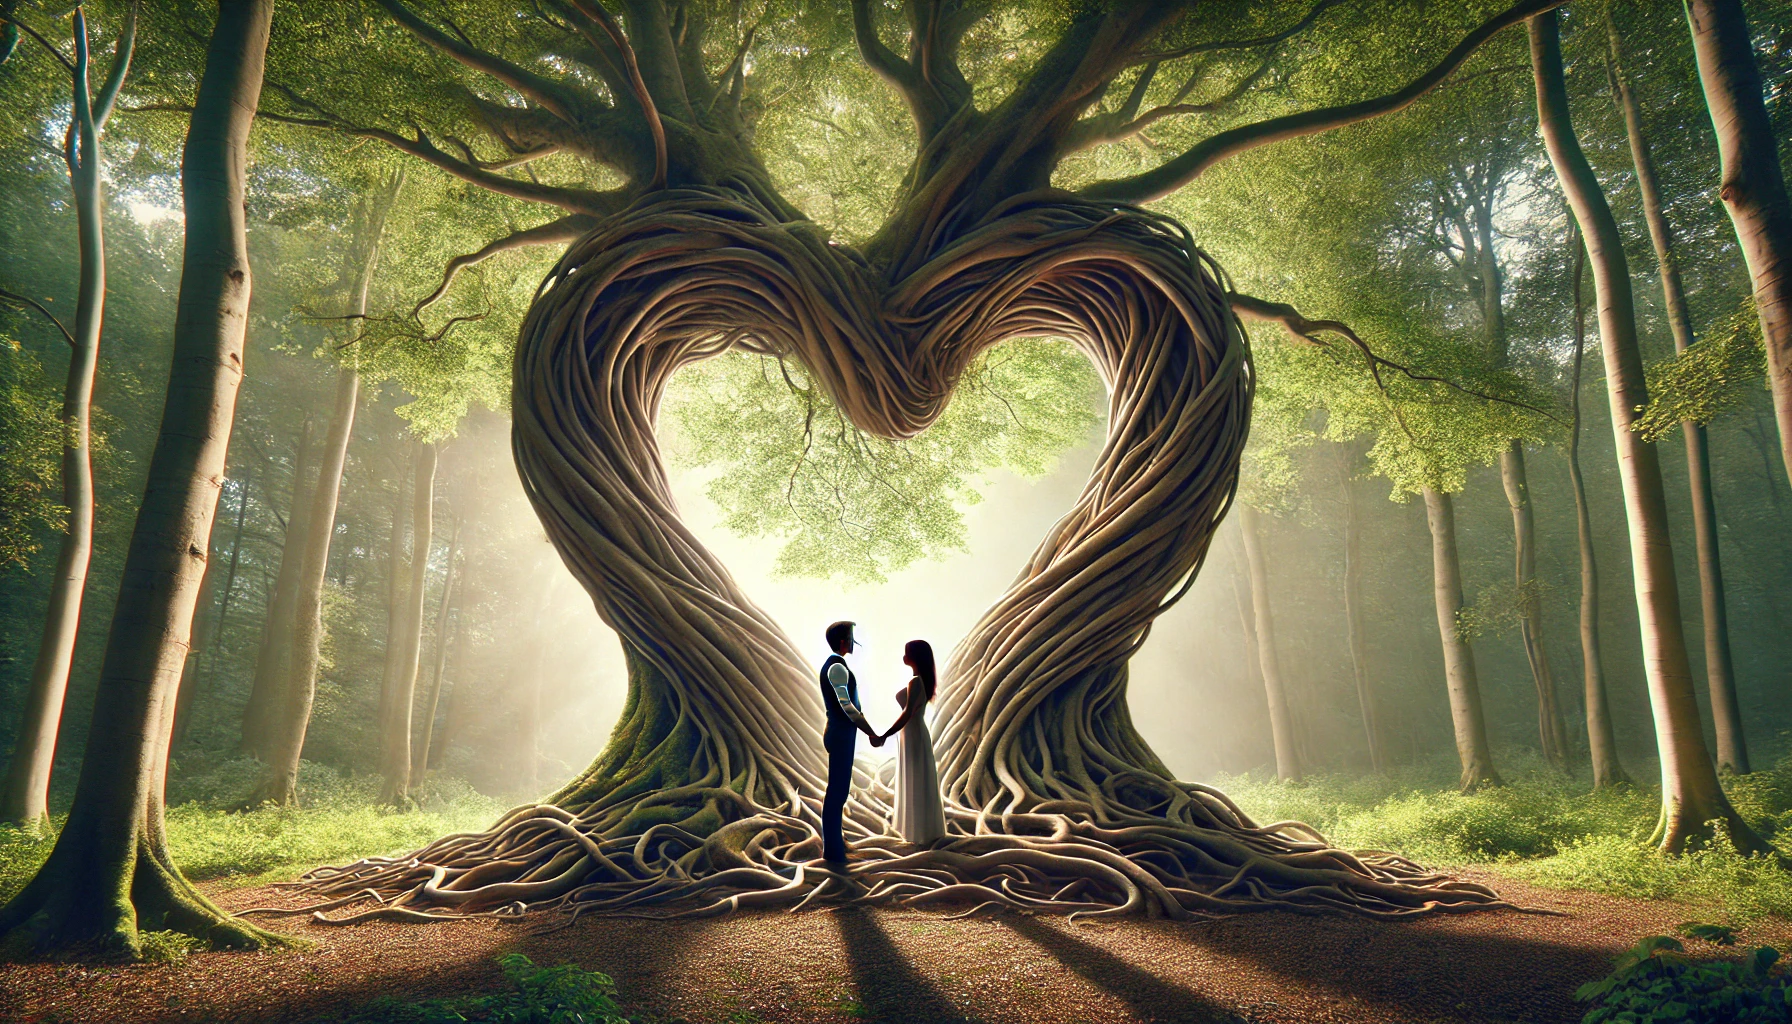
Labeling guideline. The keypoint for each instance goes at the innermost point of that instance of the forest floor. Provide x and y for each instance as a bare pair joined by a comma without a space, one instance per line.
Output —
855,965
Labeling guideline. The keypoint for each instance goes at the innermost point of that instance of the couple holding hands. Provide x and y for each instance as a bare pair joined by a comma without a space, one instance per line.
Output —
920,816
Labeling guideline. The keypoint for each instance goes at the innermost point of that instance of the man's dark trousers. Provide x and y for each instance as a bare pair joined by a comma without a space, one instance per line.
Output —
840,744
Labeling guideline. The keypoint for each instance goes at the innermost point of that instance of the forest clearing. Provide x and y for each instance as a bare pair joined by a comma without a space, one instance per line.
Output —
761,510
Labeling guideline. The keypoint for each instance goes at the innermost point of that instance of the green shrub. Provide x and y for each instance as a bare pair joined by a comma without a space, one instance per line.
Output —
22,851
1654,982
567,994
166,947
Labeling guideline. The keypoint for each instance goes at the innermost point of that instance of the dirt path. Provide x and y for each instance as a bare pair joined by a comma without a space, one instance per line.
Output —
895,966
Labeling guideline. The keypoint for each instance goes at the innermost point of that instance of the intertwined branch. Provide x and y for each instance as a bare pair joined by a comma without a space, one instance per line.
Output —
708,797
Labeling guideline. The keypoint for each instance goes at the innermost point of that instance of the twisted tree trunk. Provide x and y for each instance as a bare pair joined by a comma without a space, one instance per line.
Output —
110,872
710,787
1263,633
1754,186
1466,713
1720,671
25,791
1691,795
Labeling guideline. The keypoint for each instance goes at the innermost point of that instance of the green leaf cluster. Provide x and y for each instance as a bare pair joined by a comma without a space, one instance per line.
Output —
1716,374
30,455
1655,982
851,506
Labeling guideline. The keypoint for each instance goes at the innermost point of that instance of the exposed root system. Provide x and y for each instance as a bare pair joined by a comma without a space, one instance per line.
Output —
708,796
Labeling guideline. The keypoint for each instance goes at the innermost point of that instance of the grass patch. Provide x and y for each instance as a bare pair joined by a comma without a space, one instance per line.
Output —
338,820
567,994
1543,827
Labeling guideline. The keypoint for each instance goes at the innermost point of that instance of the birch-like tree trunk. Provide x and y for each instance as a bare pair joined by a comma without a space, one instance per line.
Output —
1754,186
1466,713
404,645
1720,670
275,650
111,870
1281,720
1691,795
25,791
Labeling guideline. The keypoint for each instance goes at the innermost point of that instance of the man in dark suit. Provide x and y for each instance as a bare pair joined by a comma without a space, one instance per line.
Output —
840,695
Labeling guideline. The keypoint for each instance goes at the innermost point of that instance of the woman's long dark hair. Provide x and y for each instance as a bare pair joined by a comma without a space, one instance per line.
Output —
919,653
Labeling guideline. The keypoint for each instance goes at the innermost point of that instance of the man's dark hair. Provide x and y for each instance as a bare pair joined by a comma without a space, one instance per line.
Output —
840,635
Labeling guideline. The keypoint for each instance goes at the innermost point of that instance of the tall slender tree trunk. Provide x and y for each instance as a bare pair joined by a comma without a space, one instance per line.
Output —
1602,744
291,716
1281,722
110,871
1691,795
1754,187
1354,615
289,713
207,623
432,701
25,792
404,646
1514,480
1466,713
455,716
1720,677
274,652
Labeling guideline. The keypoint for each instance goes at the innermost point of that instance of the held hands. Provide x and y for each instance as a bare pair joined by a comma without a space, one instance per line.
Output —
877,738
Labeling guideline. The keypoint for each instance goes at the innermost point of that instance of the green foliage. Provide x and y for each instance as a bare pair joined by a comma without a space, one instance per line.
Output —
1542,827
1655,982
858,507
30,455
1716,934
168,948
339,819
1715,375
566,994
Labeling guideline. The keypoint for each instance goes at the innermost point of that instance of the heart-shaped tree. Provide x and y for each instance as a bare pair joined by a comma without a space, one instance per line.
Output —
709,790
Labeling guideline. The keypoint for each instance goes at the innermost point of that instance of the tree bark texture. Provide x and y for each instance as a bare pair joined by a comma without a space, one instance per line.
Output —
1754,187
404,646
717,760
1281,724
1466,713
25,791
1720,671
1602,744
194,674
1691,795
110,872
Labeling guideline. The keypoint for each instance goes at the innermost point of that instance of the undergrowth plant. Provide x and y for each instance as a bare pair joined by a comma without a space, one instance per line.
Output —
565,994
1655,983
1544,827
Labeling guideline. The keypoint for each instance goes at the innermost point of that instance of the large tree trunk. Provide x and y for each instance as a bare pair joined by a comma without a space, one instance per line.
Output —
1466,713
1754,187
427,712
1354,620
1602,744
24,794
1281,722
110,872
403,647
1691,796
1720,676
275,651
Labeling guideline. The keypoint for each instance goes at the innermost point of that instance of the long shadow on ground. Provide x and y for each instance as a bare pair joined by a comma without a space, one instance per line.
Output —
890,990
1149,996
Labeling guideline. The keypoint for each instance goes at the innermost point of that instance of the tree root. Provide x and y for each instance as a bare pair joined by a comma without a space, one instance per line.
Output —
1208,863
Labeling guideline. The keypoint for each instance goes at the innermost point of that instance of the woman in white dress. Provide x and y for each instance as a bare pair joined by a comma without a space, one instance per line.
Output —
920,817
